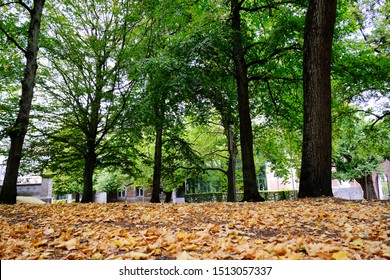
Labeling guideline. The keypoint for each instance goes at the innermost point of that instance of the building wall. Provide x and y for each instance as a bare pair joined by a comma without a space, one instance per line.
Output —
275,183
42,189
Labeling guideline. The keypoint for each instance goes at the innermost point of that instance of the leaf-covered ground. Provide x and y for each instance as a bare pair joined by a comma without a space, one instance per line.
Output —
304,229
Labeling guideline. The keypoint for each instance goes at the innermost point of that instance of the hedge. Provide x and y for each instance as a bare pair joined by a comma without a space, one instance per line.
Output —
222,197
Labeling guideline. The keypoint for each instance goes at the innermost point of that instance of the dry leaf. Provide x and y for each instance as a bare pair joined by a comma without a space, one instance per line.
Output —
324,228
340,255
184,256
137,256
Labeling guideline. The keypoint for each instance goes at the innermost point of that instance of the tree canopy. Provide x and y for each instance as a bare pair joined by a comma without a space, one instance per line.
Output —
163,92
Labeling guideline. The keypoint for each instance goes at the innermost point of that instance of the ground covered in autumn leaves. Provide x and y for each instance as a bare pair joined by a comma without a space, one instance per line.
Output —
302,229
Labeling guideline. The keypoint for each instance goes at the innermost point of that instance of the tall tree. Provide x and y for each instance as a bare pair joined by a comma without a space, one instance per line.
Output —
315,179
361,112
168,79
251,192
91,79
18,131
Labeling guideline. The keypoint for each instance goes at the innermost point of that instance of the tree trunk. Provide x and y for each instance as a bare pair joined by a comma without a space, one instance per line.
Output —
89,168
77,197
367,185
231,173
251,192
157,165
19,129
91,133
315,180
168,197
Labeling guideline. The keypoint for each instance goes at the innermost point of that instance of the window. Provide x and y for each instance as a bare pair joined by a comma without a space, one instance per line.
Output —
139,191
121,194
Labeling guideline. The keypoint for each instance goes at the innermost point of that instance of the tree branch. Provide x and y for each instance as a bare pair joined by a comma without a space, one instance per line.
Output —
256,9
275,53
9,3
10,38
247,48
258,78
272,97
20,2
24,5
267,6
203,168
387,113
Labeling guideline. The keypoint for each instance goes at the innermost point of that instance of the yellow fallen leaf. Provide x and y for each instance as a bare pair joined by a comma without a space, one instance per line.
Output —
386,255
69,245
280,249
340,255
191,247
170,247
97,256
321,228
357,243
118,243
293,256
181,235
137,256
184,256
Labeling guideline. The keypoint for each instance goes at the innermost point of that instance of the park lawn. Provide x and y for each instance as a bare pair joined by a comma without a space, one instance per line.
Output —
324,228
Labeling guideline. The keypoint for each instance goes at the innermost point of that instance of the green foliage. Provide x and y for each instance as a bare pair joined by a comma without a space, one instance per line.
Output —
361,89
361,56
67,184
116,70
221,197
358,147
13,24
108,180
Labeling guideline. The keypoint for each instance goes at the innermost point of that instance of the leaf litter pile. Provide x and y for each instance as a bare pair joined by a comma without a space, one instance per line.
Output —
325,228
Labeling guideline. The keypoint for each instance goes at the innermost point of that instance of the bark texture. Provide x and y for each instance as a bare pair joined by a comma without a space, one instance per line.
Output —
157,166
316,176
231,173
367,184
89,168
19,129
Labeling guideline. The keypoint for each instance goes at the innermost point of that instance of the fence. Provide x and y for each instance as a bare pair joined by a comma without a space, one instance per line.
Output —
222,197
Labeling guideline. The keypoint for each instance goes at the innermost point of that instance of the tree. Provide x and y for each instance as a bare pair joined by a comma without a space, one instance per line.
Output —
168,81
213,98
111,180
359,148
246,134
19,129
315,178
361,111
90,75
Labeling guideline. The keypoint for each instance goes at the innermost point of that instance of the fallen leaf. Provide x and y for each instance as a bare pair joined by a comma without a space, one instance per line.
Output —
357,243
340,255
137,256
184,256
322,228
